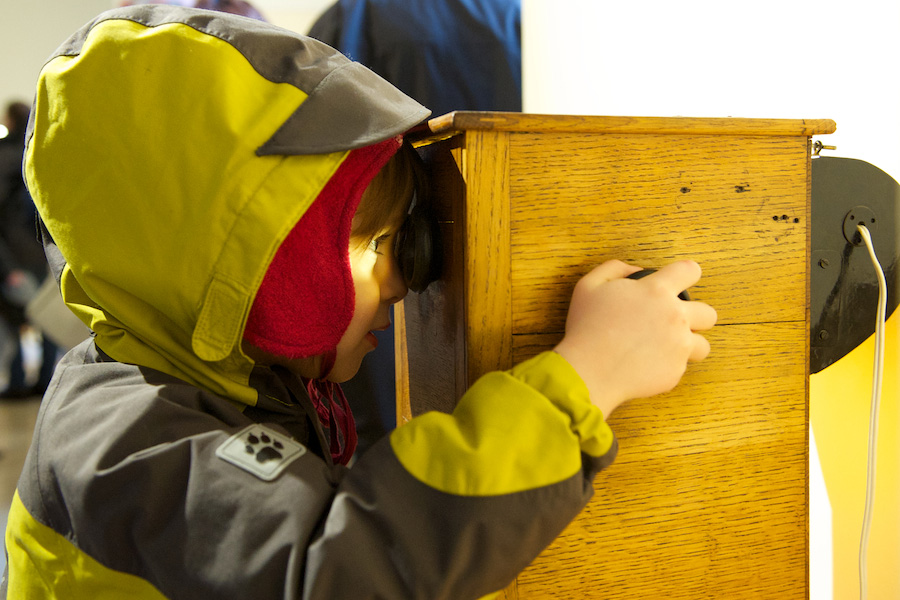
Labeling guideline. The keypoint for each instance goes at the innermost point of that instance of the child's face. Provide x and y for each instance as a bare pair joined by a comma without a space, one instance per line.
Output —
377,280
378,284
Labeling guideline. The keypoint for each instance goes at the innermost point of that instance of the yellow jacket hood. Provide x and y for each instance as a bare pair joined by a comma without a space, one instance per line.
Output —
171,151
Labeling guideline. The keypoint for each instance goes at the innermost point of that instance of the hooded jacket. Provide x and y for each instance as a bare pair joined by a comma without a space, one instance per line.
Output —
173,154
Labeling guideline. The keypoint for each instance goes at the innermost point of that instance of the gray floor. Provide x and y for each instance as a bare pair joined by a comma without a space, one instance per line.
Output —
17,419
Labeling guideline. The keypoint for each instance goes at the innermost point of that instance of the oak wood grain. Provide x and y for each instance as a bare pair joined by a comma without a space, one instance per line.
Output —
707,498
401,367
499,121
488,300
739,209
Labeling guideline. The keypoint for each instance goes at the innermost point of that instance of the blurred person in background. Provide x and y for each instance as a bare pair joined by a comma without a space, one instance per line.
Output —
22,262
447,54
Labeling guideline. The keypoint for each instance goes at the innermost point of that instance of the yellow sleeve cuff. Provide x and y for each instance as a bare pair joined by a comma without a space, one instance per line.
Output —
553,376
504,435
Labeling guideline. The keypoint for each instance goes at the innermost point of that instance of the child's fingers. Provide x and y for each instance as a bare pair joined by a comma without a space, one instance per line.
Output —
678,276
700,350
701,316
610,270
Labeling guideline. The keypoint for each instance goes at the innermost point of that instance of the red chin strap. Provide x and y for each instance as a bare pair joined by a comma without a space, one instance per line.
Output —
306,299
333,412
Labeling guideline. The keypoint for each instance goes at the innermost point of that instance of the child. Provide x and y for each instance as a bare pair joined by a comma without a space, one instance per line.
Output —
216,210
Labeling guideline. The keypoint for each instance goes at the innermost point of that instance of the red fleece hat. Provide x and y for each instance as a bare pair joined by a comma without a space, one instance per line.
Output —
306,299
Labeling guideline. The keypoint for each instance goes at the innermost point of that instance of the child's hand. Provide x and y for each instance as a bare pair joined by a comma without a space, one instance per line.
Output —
633,338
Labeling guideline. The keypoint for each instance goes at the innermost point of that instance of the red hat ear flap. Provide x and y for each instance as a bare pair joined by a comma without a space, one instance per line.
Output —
306,298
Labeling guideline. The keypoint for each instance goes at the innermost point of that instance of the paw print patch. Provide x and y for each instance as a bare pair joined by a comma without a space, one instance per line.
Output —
261,451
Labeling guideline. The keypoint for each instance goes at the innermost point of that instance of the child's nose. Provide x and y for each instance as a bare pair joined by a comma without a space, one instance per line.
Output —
393,286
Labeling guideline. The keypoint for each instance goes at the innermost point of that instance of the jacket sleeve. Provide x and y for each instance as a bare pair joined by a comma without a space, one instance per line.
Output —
454,506
125,493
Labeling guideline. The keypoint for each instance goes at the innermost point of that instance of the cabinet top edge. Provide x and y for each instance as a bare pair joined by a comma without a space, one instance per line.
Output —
460,121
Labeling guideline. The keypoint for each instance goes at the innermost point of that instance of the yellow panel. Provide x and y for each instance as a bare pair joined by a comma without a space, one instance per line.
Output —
840,398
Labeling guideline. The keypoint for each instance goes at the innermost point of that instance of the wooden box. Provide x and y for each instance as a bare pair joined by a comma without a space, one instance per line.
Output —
708,495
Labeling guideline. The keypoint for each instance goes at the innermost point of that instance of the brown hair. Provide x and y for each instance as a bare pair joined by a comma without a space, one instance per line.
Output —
388,197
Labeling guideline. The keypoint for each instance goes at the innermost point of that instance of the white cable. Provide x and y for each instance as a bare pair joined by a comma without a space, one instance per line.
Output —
873,415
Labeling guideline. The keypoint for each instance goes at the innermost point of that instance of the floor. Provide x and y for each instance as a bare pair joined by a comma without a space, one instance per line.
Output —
17,419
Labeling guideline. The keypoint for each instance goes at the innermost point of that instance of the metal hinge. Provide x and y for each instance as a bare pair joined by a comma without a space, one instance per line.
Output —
818,146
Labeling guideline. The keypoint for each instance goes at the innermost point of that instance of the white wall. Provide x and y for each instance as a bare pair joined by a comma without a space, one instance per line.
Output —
33,29
296,15
706,58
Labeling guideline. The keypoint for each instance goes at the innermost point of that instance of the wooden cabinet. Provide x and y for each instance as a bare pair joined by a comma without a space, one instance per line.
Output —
708,495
